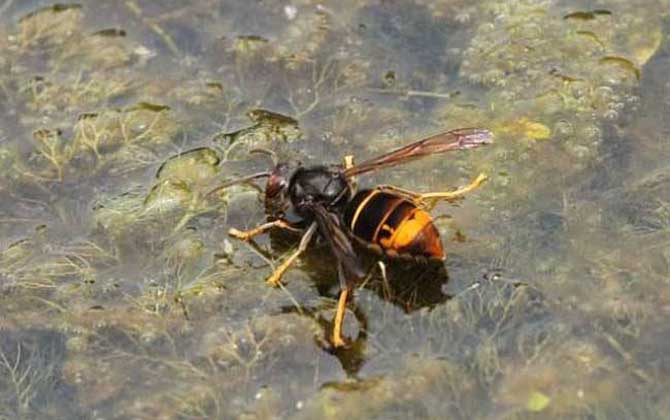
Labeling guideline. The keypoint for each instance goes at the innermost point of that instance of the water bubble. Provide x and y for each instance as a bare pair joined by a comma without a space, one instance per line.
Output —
632,100
611,115
563,129
462,17
577,90
602,96
590,133
500,19
617,106
580,151
290,11
521,65
485,28
493,77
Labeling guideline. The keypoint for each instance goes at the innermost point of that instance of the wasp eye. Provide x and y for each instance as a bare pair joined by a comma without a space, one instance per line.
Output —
276,184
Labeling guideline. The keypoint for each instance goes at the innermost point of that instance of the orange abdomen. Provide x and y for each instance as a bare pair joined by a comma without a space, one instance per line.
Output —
394,224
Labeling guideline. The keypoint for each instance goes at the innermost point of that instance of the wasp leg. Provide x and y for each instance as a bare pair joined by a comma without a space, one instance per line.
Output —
410,195
246,235
337,339
387,285
450,195
348,161
275,277
353,181
428,200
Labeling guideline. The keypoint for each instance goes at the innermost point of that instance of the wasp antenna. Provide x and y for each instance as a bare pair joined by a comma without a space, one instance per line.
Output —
242,180
268,152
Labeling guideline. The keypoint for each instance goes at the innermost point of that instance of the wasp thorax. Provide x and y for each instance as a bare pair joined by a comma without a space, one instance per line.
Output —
320,184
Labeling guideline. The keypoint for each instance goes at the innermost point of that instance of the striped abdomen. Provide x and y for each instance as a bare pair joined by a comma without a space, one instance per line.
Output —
393,224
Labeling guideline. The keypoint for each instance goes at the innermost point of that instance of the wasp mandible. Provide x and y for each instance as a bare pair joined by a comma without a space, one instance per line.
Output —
322,200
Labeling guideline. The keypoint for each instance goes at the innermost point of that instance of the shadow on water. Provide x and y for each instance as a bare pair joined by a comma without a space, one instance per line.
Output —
410,287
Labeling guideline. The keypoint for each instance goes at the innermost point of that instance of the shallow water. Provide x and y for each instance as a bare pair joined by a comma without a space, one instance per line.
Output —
122,295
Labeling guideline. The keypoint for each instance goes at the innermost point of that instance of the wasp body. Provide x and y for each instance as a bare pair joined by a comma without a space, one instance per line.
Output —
389,220
389,223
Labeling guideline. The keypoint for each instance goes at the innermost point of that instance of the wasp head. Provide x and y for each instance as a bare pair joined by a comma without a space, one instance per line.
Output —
276,190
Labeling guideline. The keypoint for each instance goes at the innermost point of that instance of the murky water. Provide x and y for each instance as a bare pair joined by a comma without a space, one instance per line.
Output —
122,295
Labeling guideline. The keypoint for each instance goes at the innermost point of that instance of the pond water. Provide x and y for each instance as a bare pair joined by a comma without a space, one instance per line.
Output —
123,296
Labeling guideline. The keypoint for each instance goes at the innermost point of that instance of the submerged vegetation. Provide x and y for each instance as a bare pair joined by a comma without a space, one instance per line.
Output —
121,294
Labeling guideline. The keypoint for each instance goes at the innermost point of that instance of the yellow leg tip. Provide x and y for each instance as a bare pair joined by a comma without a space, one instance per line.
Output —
338,341
481,178
274,280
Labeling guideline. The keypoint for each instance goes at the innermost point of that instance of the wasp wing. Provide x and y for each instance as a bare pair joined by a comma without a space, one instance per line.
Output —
349,267
459,139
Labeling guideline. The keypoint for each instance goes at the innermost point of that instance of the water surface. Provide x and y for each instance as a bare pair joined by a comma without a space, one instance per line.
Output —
122,295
